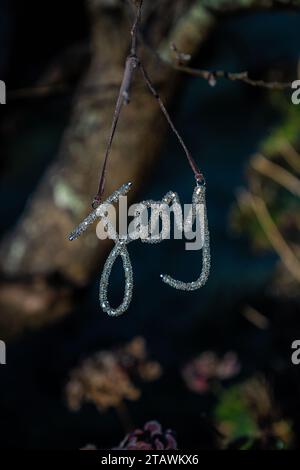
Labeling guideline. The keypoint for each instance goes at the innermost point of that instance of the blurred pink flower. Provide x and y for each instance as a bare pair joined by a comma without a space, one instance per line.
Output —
151,437
199,373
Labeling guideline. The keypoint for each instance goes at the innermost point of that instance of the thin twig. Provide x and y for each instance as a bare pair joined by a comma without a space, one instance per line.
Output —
275,172
290,154
274,236
135,28
198,175
123,98
211,76
256,318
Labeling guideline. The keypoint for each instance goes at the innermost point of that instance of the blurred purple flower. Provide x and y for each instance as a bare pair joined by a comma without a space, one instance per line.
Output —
199,373
151,437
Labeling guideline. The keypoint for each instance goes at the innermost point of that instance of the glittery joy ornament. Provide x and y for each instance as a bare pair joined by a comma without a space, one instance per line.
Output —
120,248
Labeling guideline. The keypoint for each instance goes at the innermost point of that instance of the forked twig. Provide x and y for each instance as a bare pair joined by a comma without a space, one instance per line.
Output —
132,63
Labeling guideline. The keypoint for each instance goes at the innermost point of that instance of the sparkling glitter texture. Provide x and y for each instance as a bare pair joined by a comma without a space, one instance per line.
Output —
98,212
198,198
120,248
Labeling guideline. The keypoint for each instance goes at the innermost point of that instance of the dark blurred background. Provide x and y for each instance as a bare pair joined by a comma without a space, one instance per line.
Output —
246,317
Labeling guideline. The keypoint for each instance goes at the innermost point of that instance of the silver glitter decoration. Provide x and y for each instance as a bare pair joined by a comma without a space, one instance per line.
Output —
198,198
98,212
157,211
120,248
